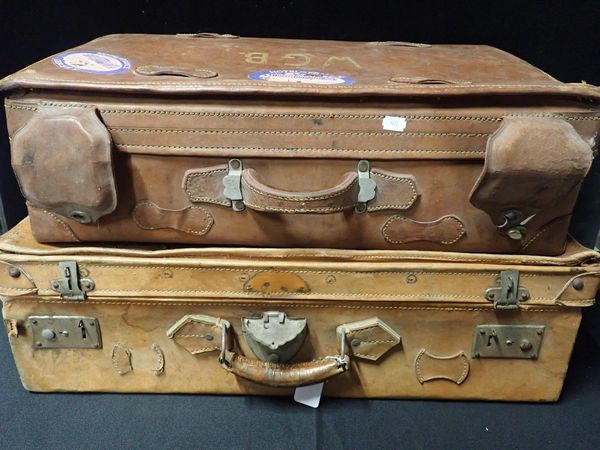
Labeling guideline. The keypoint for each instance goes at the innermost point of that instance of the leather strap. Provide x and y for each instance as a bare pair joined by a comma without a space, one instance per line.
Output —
285,375
394,191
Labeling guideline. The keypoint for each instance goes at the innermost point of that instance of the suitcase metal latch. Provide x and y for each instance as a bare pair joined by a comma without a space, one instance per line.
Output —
274,337
232,183
65,332
509,293
69,285
366,186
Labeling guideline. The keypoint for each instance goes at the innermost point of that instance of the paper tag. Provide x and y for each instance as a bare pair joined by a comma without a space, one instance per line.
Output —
309,395
394,123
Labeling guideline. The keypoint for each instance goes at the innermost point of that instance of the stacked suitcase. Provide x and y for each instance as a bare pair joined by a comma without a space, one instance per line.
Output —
214,214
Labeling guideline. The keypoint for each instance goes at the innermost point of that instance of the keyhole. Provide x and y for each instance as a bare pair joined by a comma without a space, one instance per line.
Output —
83,330
490,339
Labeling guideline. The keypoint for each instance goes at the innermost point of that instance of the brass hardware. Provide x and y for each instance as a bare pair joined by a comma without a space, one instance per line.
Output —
274,337
65,332
500,341
509,294
69,285
232,183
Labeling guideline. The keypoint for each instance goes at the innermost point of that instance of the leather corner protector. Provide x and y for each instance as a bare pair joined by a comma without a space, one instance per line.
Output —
446,230
430,367
197,333
121,359
193,219
370,339
273,282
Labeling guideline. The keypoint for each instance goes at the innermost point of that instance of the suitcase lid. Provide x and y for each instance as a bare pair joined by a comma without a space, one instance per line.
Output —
207,63
490,281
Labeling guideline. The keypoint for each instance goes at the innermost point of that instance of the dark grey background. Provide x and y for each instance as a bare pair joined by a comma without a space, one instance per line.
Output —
561,37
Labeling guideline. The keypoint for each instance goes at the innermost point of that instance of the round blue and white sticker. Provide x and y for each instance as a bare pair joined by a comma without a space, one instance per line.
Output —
92,62
300,76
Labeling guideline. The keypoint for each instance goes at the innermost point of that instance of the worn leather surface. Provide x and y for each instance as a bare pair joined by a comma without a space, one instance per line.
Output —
309,144
140,299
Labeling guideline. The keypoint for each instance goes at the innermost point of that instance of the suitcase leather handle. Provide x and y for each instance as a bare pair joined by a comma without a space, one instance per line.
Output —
364,190
285,375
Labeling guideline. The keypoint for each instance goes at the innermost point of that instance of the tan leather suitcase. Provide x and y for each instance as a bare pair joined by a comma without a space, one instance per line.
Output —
262,321
215,139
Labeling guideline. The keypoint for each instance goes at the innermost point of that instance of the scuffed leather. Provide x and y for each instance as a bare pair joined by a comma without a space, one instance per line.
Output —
285,375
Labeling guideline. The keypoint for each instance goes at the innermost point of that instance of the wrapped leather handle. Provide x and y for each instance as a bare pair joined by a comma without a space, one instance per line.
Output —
285,375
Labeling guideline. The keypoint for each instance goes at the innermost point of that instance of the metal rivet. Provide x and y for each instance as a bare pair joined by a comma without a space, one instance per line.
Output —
540,332
525,345
235,164
525,295
34,322
48,334
330,279
355,342
238,205
55,285
80,216
481,331
515,233
244,277
209,337
411,279
361,207
577,284
14,272
363,166
38,344
533,356
475,355
273,358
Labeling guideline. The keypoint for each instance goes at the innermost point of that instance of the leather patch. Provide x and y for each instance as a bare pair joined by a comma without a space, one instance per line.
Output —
394,191
197,333
192,220
63,160
400,230
531,164
121,359
430,367
274,282
370,339
206,185
159,366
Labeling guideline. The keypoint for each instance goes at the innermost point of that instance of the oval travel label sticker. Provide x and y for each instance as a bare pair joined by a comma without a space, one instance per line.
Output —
300,76
92,62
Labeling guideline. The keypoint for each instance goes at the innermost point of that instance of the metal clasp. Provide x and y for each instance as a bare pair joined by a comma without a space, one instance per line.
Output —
232,183
514,224
366,186
69,285
509,293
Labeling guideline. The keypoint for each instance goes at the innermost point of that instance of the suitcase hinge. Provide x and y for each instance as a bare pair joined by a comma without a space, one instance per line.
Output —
232,183
366,186
70,286
509,294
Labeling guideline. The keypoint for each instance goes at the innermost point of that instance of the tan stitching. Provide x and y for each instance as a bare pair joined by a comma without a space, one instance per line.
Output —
63,224
209,219
300,199
413,188
324,209
297,149
299,133
461,230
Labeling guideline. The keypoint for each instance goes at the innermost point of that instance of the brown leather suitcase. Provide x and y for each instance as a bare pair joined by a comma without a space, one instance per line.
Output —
262,321
215,139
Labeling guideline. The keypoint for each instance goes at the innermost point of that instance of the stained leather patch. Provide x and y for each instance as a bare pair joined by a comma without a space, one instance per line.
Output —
400,230
531,164
197,333
121,359
273,282
370,339
63,160
430,367
192,220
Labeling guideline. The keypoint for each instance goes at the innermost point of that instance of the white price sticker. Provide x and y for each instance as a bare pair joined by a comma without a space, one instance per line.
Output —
394,123
309,395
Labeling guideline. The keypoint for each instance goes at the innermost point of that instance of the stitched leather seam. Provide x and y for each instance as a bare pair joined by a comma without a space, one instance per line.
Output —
300,199
299,133
297,149
203,349
195,198
282,305
406,205
299,210
317,116
201,232
63,224
461,230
